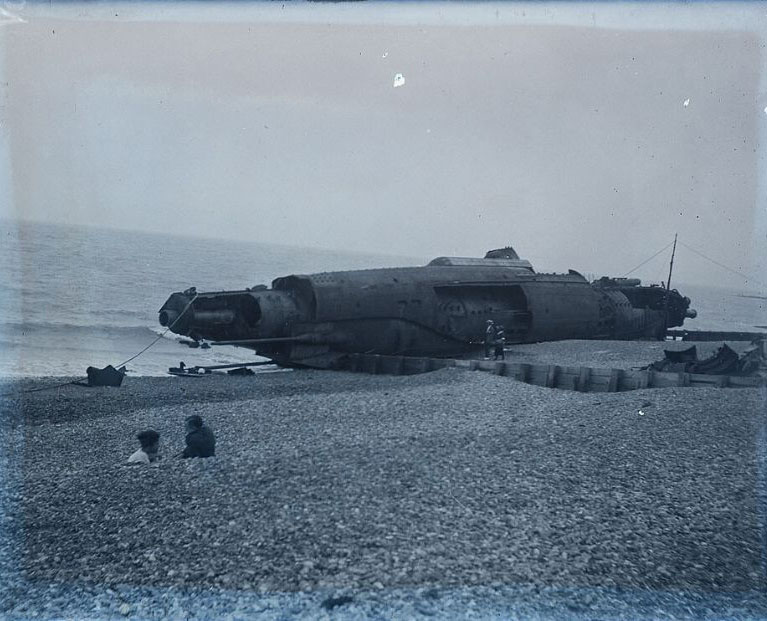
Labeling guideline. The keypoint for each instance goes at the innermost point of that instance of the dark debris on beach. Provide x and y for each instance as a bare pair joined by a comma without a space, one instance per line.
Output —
332,485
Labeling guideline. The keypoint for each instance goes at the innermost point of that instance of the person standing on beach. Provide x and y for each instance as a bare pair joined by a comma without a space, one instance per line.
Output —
200,441
500,342
150,445
489,338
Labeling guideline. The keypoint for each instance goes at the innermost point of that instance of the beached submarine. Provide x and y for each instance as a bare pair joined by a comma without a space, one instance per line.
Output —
438,310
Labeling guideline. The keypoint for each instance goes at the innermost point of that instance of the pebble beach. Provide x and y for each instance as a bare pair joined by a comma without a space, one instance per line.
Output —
451,494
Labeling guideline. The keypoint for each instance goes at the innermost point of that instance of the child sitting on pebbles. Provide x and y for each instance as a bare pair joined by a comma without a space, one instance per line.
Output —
150,444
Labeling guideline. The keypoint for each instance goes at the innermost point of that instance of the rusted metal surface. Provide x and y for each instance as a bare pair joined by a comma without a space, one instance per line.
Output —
434,311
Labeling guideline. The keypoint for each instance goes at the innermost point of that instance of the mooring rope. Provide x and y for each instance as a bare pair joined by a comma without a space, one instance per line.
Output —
648,260
116,366
732,270
159,336
723,266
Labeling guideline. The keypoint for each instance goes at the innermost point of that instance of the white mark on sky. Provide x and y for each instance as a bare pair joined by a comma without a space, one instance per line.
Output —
686,102
399,80
765,109
384,55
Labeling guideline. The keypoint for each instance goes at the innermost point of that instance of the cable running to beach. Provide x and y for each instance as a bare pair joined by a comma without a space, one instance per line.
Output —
159,336
117,366
59,385
729,269
666,247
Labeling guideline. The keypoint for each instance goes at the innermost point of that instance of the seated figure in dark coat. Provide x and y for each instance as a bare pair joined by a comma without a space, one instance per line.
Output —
200,441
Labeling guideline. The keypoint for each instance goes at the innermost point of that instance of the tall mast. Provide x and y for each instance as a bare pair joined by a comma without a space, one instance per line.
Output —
668,289
670,267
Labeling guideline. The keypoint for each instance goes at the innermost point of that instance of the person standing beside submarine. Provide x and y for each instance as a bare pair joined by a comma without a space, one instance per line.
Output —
489,338
500,343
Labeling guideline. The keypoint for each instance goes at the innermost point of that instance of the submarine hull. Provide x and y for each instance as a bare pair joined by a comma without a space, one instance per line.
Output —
439,310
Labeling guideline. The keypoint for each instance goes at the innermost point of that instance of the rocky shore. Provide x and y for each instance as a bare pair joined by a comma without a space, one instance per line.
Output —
452,494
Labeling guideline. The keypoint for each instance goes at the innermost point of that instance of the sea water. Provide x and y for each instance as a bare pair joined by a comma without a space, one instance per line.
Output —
73,297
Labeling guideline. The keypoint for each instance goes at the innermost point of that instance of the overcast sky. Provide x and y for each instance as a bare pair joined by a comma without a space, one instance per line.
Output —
585,136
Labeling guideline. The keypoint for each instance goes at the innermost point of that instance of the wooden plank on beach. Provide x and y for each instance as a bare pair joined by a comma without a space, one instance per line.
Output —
388,365
584,374
745,382
603,373
399,365
723,382
551,375
615,376
697,379
708,335
645,378
583,379
412,366
567,378
665,380
538,374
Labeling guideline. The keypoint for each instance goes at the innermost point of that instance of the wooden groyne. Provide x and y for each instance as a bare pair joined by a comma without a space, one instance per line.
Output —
707,335
583,379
